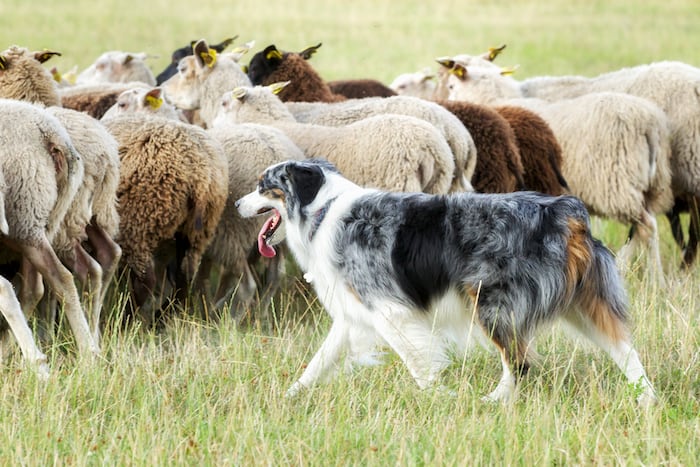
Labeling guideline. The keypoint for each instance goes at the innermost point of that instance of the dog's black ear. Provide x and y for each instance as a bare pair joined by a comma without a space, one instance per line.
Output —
307,181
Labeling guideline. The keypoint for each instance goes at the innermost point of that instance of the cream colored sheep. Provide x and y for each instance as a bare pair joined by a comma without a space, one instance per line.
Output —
144,100
22,76
43,171
391,152
118,67
345,112
616,150
200,81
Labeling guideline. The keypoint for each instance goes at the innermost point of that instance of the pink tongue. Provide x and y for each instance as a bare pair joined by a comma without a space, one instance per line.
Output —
266,250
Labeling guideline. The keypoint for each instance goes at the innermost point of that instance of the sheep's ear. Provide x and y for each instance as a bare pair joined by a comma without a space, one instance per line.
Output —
205,56
493,52
44,55
243,49
152,99
447,62
509,70
310,51
459,70
239,93
244,69
225,43
271,53
427,75
276,88
3,62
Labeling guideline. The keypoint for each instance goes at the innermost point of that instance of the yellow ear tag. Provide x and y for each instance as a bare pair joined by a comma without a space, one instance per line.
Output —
209,57
276,88
507,71
239,93
459,71
154,102
447,62
3,62
274,54
56,75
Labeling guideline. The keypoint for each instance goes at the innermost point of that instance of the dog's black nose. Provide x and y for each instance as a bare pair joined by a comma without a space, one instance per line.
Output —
237,203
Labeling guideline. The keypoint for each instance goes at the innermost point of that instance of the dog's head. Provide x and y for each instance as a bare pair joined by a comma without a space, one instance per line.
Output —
288,191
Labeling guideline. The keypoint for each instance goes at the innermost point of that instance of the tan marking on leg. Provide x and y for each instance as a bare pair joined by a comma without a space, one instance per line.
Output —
578,254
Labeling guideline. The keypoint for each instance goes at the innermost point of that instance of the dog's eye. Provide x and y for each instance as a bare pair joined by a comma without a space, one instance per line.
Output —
284,179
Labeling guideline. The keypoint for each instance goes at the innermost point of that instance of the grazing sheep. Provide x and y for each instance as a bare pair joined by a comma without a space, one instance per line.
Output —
22,76
43,171
118,67
616,150
186,51
92,219
391,152
12,311
201,80
360,88
273,66
499,168
144,100
675,88
172,188
419,84
350,111
95,99
540,151
250,149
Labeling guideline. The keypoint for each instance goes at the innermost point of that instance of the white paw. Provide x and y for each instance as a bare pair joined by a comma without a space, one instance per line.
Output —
294,390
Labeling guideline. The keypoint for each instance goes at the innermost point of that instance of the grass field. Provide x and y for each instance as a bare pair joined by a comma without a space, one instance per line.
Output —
211,394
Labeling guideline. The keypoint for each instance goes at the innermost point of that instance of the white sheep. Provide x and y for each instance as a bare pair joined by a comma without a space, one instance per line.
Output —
118,67
12,311
43,171
616,150
345,112
200,81
144,100
392,152
92,218
250,149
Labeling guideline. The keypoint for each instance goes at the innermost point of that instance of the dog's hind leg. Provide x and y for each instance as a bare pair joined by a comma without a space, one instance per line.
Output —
326,360
410,333
610,334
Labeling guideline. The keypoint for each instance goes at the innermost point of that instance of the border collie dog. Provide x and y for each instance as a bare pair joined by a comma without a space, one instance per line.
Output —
421,273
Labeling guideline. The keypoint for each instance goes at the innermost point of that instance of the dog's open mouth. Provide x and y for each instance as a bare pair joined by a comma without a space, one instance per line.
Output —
266,237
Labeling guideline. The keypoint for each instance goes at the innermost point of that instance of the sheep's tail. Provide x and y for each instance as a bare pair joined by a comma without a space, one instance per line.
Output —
69,176
104,202
659,197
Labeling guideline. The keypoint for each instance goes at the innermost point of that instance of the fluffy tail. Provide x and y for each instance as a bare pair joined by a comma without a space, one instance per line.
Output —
601,294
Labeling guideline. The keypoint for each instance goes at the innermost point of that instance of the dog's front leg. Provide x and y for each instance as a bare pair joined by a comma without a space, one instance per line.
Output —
326,359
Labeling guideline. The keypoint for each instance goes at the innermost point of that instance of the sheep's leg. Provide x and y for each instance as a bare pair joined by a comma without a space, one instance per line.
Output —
32,288
43,258
243,294
10,308
89,274
107,253
643,232
691,249
674,219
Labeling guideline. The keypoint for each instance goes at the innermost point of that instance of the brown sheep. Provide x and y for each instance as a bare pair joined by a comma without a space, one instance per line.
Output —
360,88
498,165
172,189
539,150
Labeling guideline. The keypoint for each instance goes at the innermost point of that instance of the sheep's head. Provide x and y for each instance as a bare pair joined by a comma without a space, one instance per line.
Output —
477,84
183,89
419,84
118,67
23,77
264,63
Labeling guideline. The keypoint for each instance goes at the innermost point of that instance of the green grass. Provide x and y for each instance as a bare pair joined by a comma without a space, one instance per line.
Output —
205,394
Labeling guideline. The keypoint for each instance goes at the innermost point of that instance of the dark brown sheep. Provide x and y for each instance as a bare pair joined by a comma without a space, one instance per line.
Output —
539,150
498,165
360,88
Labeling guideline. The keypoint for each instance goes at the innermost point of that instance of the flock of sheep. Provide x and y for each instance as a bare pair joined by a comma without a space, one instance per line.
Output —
120,169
